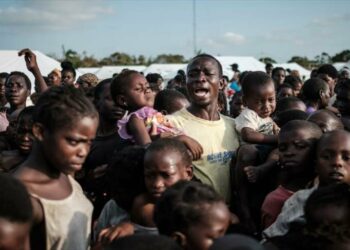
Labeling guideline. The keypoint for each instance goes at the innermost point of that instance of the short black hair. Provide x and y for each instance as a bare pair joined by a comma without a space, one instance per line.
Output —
284,104
60,106
254,79
285,85
181,206
292,80
26,78
329,70
343,85
312,87
284,117
166,98
275,70
268,65
153,77
170,144
330,116
125,178
121,82
145,242
4,75
68,66
313,129
15,203
210,57
337,195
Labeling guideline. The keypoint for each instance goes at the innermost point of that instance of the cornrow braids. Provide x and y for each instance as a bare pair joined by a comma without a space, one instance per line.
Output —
59,107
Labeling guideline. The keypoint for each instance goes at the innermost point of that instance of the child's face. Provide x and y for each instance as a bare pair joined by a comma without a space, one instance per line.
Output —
214,225
295,150
297,89
14,236
325,96
66,148
16,90
236,106
342,102
333,159
285,92
24,136
203,81
262,100
163,169
279,77
68,77
138,93
330,81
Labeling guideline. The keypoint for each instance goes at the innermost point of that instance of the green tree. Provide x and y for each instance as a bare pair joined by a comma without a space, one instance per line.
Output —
118,58
267,60
169,58
343,56
303,61
324,58
141,60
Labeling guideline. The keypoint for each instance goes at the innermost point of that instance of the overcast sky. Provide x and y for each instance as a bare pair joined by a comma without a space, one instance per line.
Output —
276,28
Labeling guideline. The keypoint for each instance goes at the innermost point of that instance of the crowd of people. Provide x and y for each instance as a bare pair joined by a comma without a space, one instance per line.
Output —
259,161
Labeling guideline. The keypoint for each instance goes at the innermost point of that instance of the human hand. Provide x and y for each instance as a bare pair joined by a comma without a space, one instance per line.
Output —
252,173
275,129
193,146
123,229
30,59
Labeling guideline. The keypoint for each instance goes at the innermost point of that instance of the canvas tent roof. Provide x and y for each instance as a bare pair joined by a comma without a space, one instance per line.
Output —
10,61
108,71
167,71
245,63
295,66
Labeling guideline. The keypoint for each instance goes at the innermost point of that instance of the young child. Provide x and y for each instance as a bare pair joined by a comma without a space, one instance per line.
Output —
166,162
16,214
285,90
236,105
24,138
193,214
315,93
296,84
259,135
326,120
332,166
296,144
65,124
131,91
169,101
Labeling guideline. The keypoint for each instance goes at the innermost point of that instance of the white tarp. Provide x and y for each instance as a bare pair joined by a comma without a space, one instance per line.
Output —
304,73
245,63
108,71
92,70
167,71
10,61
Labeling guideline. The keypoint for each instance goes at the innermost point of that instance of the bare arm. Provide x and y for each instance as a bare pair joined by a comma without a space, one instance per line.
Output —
33,67
251,136
138,129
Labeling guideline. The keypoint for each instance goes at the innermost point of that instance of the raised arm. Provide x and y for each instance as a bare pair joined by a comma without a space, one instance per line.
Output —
32,66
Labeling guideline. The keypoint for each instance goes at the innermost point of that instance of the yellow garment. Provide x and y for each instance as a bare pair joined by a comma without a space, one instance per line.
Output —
219,141
67,221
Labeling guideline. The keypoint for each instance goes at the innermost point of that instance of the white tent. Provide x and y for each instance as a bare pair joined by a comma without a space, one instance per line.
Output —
304,73
108,71
245,63
92,70
341,65
10,61
167,71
